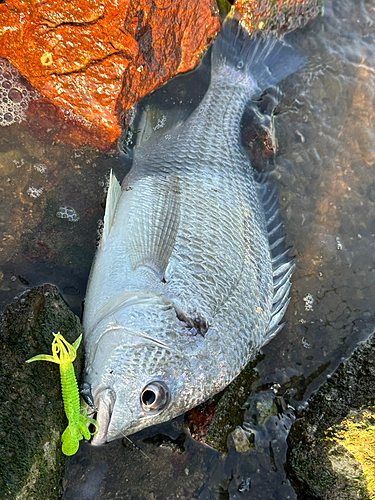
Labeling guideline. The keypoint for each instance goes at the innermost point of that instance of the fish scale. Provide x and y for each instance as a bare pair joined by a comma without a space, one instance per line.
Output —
227,227
191,276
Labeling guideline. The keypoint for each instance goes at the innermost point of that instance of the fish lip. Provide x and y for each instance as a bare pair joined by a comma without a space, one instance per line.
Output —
104,401
86,394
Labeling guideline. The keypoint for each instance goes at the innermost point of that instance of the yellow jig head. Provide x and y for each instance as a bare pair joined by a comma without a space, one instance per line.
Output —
64,354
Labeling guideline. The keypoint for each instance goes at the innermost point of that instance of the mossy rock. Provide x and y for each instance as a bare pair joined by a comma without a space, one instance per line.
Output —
318,466
32,417
213,421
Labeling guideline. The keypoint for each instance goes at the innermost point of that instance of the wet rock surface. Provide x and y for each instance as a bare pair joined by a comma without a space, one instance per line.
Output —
40,183
321,468
31,410
93,59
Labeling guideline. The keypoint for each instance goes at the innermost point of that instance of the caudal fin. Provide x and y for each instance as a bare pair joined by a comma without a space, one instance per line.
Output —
266,60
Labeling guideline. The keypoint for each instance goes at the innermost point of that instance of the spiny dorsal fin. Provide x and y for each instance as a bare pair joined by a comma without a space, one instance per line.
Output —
113,195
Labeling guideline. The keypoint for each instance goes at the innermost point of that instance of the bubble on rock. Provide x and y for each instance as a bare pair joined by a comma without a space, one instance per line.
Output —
14,94
67,212
244,484
34,192
19,163
40,167
309,302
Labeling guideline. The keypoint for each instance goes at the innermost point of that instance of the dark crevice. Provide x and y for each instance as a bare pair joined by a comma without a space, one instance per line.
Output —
51,25
91,63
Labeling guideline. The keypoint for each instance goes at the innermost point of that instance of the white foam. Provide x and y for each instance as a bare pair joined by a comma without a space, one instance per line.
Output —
14,96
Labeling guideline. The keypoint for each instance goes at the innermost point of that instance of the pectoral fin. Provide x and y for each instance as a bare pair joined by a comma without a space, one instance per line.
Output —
152,229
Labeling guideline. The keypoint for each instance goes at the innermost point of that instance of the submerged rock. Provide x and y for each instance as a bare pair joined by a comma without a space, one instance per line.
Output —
280,17
241,440
321,464
212,422
32,418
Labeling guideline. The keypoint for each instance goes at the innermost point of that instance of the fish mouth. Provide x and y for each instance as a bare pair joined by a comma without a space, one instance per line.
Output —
104,402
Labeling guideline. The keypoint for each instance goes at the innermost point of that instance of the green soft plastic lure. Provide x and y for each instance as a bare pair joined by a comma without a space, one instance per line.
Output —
64,354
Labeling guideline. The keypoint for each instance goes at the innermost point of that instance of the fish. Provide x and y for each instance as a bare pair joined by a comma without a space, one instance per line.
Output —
191,276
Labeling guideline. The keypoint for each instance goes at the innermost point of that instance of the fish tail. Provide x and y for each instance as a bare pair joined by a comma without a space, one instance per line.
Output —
266,60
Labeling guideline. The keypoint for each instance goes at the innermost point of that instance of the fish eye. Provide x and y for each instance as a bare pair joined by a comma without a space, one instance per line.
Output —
155,397
240,65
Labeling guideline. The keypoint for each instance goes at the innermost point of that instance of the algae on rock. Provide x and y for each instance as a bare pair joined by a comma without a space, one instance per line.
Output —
212,422
356,436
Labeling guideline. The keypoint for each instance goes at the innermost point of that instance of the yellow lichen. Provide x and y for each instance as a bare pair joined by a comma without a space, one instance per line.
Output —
46,59
358,437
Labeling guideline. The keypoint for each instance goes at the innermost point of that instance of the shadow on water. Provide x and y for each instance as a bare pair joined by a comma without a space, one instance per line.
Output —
325,173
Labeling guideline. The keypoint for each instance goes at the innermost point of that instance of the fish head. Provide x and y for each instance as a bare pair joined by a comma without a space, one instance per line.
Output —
136,381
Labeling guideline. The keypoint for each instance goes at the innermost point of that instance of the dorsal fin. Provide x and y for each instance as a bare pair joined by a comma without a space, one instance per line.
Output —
113,195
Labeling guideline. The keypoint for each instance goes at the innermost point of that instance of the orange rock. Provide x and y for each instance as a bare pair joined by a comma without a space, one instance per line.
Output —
94,59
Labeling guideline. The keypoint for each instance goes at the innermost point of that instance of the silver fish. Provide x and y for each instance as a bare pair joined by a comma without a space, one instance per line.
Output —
191,276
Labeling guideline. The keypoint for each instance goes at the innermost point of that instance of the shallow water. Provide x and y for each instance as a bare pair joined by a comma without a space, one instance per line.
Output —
324,169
